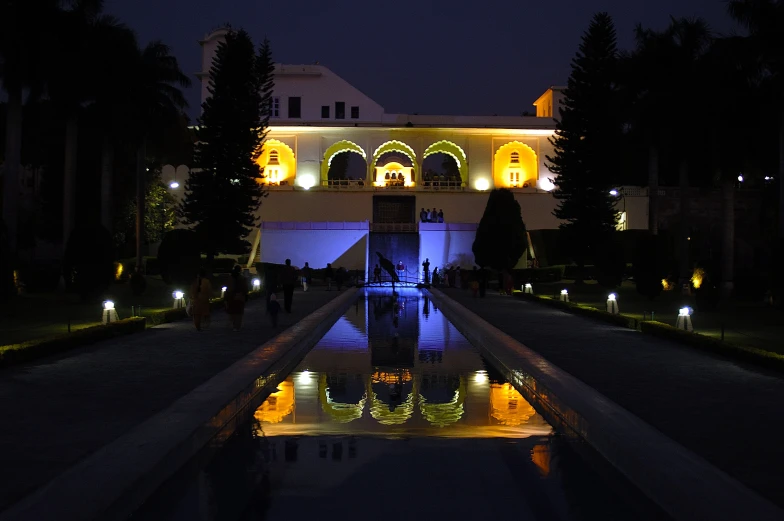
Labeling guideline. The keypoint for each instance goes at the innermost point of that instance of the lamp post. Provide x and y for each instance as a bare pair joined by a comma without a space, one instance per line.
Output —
612,304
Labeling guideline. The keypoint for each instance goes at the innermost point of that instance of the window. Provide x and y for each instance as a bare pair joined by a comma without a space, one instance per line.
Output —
325,111
275,107
340,110
514,178
515,158
274,158
295,106
354,112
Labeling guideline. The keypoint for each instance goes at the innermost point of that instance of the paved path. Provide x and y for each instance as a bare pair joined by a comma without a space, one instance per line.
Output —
729,413
57,411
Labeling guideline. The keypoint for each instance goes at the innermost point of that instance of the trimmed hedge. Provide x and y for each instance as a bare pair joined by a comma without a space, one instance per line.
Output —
26,351
33,349
548,274
767,359
580,309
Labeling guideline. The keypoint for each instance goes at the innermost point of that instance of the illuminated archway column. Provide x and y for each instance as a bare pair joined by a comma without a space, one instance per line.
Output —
394,146
451,149
335,149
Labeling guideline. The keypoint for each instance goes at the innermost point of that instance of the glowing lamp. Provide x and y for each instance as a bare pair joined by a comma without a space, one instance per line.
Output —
174,185
223,291
480,377
482,184
307,181
684,311
564,292
614,193
179,299
528,288
740,178
256,284
612,304
109,313
768,178
178,294
547,184
684,319
564,295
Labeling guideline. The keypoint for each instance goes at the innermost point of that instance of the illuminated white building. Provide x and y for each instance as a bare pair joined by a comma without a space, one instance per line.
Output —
311,215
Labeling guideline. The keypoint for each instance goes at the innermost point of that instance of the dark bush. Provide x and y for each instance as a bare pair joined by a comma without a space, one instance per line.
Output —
179,258
572,272
650,265
223,265
40,276
88,264
610,263
152,266
138,283
549,274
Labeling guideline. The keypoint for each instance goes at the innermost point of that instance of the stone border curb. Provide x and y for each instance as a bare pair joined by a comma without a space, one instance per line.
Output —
115,480
682,483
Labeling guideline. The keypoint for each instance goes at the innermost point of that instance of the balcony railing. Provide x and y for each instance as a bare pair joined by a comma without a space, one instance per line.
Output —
443,185
394,227
345,184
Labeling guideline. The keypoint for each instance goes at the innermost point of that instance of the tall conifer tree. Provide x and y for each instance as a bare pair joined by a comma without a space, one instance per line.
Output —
587,134
223,194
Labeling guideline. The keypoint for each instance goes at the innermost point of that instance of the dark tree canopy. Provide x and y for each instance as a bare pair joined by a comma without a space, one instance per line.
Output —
586,138
222,193
500,239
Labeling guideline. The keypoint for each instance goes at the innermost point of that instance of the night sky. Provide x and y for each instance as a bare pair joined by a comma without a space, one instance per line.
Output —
437,57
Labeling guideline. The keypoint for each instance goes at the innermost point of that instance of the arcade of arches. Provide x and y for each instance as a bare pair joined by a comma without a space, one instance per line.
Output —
515,164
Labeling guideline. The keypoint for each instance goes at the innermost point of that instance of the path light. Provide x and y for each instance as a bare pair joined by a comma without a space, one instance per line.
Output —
564,295
528,288
223,291
740,178
256,284
614,192
684,319
612,304
109,313
174,185
179,299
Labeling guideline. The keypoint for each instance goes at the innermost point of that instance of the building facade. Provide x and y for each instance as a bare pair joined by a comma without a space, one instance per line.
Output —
347,179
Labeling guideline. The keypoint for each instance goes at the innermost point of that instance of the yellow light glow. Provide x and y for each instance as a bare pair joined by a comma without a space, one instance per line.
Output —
306,181
340,412
403,376
482,184
697,277
339,148
396,169
508,405
546,184
666,286
540,455
118,271
278,161
515,165
394,146
278,405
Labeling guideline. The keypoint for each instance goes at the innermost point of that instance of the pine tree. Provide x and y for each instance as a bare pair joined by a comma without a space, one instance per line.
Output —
585,142
223,193
500,238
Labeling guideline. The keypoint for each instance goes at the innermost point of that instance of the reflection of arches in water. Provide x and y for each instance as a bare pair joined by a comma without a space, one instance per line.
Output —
278,405
340,412
389,414
443,414
508,406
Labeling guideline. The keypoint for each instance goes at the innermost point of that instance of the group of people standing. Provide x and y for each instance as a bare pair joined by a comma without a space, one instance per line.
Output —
431,216
235,297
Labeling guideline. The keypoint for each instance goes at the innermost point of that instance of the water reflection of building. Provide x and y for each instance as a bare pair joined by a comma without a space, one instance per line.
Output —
278,405
340,398
508,405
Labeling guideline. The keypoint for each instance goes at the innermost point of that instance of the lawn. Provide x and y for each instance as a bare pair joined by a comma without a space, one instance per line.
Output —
748,323
38,315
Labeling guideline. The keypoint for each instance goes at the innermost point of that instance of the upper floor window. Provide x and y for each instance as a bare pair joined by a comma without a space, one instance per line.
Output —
295,107
275,107
514,158
274,158
325,111
354,112
340,110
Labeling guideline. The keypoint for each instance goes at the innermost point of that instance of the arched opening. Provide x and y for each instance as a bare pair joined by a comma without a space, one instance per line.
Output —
332,152
278,163
444,165
393,170
515,166
411,172
346,169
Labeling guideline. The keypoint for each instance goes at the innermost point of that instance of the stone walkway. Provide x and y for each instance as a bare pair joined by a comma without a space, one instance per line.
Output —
56,411
729,413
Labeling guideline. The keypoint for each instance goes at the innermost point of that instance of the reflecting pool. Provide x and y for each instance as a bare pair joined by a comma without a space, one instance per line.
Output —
394,415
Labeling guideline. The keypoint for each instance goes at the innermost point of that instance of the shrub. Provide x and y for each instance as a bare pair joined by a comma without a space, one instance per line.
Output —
40,276
223,265
7,286
549,274
610,263
649,266
138,283
178,257
88,264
